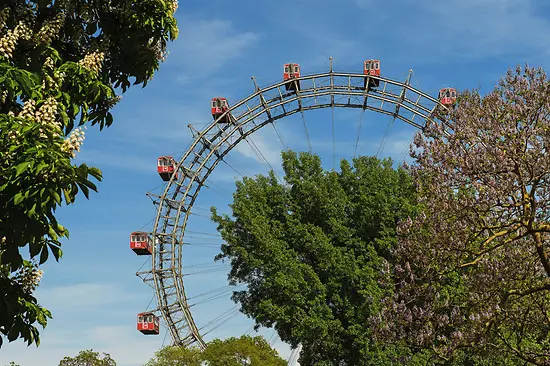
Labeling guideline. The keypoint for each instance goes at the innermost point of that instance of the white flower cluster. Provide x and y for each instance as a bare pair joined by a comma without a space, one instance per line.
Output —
54,81
113,101
29,108
37,276
93,61
3,96
50,29
10,39
49,64
73,142
47,113
30,279
160,54
3,17
13,135
174,5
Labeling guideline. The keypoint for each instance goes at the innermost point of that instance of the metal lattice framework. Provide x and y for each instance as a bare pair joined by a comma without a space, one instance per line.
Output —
265,105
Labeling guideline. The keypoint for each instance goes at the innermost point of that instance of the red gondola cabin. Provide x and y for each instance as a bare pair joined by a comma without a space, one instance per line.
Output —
166,166
447,96
291,72
372,68
148,323
220,106
140,243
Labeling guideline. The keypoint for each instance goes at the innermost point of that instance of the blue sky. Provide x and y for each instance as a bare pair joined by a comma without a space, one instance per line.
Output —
93,292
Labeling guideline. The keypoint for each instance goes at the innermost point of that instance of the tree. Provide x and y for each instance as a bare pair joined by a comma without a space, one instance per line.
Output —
249,351
243,351
176,356
60,65
312,250
474,269
88,358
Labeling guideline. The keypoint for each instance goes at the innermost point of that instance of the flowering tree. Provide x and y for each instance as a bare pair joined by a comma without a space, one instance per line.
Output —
474,269
60,62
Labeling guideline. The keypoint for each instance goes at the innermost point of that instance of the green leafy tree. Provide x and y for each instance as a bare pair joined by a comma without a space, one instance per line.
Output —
312,251
88,358
176,356
243,351
61,63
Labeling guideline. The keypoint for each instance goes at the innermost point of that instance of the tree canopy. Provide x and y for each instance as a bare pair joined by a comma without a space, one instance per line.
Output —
88,358
61,63
312,251
474,269
249,351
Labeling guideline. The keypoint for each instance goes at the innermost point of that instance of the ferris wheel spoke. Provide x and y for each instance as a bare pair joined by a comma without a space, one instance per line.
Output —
294,355
222,295
250,330
194,232
273,338
198,245
332,111
273,124
260,155
201,265
385,137
358,132
191,240
217,290
205,271
231,164
305,129
229,317
226,314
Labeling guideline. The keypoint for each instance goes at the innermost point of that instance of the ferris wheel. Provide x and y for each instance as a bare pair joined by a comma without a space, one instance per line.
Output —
175,231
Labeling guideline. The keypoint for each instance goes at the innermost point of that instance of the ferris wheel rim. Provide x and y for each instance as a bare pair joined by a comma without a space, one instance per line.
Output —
173,305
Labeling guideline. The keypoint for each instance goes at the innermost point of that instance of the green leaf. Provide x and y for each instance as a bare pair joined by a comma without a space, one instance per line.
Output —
56,251
55,196
41,319
90,185
34,248
44,255
84,190
20,168
96,173
66,194
40,166
109,119
18,198
64,117
13,334
51,233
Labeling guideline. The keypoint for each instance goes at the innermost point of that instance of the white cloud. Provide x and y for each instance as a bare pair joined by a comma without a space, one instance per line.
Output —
265,141
86,316
82,295
104,159
205,46
125,345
